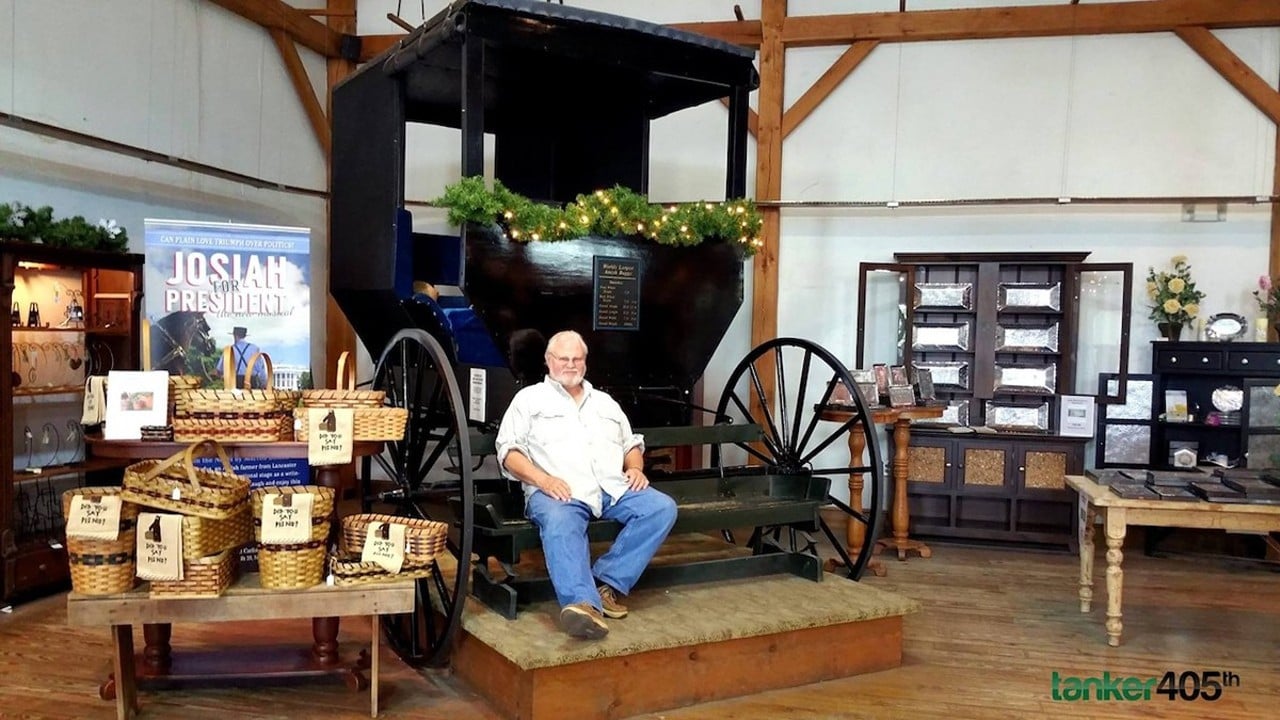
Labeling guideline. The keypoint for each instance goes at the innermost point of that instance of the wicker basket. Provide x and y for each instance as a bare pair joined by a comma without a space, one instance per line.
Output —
348,570
202,537
291,566
346,396
102,567
383,423
272,427
179,388
425,538
175,483
230,401
321,507
203,577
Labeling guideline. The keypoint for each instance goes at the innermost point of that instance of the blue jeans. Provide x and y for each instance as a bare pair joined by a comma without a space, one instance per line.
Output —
646,517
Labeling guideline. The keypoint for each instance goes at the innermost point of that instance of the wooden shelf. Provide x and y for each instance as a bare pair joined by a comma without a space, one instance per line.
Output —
49,329
42,391
90,465
112,296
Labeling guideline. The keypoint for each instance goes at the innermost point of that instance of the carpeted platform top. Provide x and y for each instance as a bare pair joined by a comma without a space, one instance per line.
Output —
686,615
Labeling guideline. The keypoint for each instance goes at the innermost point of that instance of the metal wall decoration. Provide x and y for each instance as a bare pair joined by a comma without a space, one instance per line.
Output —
1137,400
943,336
1127,444
952,374
1025,418
944,296
1041,380
1027,339
1029,296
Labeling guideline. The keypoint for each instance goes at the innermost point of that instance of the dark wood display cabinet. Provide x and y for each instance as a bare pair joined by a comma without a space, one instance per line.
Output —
1217,377
70,313
1000,335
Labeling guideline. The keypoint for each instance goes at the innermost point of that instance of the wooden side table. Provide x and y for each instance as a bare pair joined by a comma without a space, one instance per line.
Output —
900,419
155,663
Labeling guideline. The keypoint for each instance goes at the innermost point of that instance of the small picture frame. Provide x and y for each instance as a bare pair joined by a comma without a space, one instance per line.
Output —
1175,406
902,396
924,385
882,379
1076,416
898,375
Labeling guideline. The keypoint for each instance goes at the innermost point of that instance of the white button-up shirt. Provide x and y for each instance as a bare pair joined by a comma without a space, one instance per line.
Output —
582,444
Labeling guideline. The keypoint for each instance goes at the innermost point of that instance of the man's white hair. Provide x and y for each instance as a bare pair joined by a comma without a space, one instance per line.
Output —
564,336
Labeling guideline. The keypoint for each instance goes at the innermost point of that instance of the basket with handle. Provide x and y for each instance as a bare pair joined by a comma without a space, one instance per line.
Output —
238,414
346,395
176,484
102,567
202,537
425,539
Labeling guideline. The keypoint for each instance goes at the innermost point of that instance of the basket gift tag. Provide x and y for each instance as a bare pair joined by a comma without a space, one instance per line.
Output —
159,546
331,436
94,518
286,519
384,545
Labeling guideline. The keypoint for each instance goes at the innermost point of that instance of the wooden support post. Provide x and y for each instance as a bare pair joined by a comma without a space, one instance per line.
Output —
753,120
764,294
302,87
823,86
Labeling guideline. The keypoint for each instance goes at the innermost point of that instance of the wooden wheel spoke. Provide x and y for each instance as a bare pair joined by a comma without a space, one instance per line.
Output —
846,426
800,406
813,420
764,410
780,380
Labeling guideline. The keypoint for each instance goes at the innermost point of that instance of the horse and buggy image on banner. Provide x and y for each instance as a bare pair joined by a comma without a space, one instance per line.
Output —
652,314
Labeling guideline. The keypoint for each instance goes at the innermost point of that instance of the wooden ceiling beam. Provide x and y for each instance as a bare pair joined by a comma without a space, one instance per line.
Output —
739,32
1236,71
1028,21
302,87
823,86
275,14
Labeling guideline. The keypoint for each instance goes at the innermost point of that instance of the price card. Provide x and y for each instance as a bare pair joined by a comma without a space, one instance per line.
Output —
331,437
384,544
159,546
286,519
94,518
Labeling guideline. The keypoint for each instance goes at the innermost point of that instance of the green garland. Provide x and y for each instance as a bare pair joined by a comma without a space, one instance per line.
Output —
36,225
609,213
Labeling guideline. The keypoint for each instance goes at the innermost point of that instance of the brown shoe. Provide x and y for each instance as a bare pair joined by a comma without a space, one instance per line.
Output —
581,620
613,609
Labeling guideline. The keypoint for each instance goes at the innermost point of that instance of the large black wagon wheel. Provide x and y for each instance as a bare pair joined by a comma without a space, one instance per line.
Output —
805,377
416,375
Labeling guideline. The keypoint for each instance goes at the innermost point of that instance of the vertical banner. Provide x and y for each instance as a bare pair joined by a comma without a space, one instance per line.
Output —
209,285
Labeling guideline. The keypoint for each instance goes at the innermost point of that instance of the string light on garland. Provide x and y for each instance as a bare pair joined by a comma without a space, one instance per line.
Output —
607,212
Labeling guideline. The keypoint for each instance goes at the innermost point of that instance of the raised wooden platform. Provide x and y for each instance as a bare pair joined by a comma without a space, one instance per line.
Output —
681,646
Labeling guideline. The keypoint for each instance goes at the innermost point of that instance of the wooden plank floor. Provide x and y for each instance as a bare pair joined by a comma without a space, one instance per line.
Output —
996,624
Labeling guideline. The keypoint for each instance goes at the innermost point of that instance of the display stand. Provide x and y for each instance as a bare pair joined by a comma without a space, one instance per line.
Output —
156,666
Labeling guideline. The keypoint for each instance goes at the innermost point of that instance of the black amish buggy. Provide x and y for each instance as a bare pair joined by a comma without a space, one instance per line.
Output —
567,96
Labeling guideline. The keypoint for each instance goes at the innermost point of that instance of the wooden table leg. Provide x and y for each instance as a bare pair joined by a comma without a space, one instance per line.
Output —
376,631
901,513
856,532
1116,527
1086,554
126,683
157,653
325,630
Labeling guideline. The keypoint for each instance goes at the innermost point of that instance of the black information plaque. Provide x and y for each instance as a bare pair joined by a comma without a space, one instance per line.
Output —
616,301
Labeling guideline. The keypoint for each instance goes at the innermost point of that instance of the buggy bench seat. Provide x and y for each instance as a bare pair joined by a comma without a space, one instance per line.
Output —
717,499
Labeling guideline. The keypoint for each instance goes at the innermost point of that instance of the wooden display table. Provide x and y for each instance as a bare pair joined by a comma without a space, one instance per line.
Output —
1119,513
156,633
245,600
900,418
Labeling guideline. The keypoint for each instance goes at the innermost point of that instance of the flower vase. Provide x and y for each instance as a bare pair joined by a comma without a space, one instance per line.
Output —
1171,331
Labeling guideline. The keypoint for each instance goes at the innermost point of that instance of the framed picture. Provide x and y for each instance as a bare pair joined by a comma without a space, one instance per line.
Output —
902,396
924,384
898,375
882,379
1076,416
135,399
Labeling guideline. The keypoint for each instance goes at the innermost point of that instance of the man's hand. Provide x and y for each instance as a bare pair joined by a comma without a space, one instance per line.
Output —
556,488
636,479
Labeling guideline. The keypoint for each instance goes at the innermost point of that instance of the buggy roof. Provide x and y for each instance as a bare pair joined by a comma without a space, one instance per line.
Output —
541,54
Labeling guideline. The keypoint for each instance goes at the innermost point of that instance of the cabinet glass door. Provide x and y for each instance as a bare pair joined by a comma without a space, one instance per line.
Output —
1262,423
1101,314
884,313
